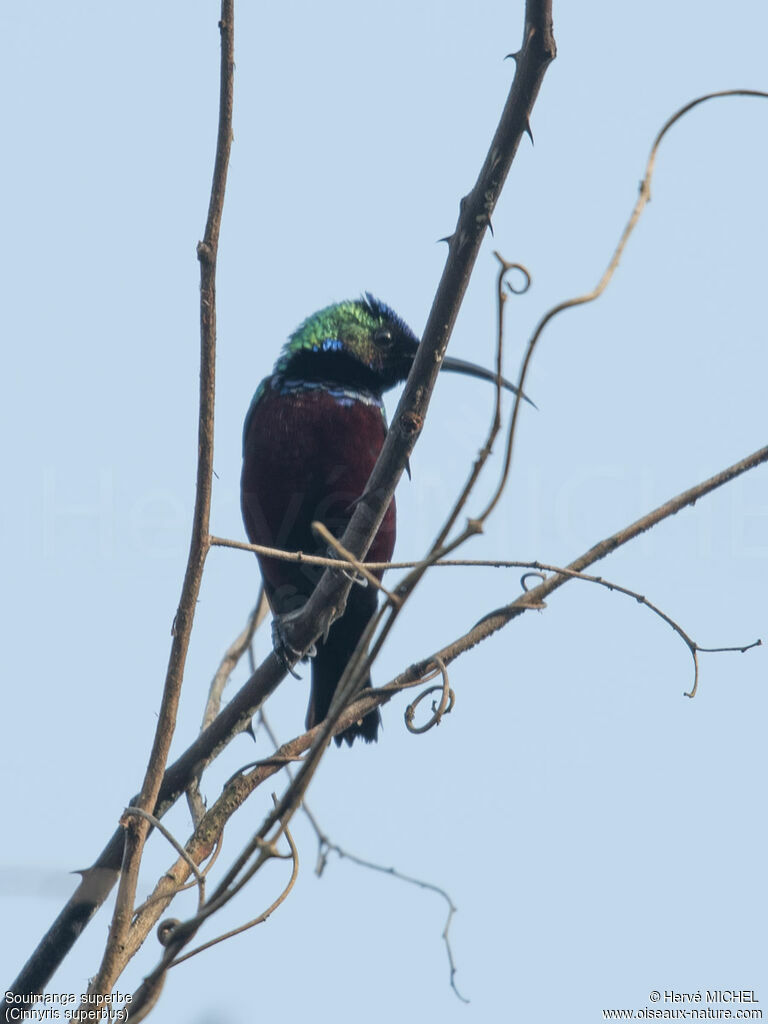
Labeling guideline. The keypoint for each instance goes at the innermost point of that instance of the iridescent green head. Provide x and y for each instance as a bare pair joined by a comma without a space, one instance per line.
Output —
359,344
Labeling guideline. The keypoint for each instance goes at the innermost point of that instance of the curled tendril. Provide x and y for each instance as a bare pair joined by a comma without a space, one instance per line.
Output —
166,929
447,700
526,274
527,575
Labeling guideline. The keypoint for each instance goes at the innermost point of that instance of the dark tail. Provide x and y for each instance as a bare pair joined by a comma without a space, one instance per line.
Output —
331,660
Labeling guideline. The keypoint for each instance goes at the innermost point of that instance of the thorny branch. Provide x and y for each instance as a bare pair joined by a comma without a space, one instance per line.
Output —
476,208
367,650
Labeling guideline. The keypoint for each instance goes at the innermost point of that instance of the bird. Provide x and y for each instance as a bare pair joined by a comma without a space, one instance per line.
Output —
311,437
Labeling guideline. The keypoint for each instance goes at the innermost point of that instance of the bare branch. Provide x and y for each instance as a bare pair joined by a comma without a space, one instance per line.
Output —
326,846
294,854
177,934
98,880
156,823
482,458
232,656
138,829
325,534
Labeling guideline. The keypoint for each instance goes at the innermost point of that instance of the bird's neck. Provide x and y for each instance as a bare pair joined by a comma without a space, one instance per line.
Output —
333,369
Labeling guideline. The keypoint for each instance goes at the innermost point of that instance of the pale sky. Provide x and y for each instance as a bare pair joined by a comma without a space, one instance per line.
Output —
601,835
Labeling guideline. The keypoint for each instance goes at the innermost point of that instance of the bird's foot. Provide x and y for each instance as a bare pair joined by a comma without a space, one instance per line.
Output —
286,654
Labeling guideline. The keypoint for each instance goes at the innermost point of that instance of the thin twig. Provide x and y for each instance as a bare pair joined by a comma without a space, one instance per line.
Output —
580,300
263,916
501,298
228,663
325,534
167,897
324,845
138,828
410,880
534,598
731,650
179,933
230,660
156,823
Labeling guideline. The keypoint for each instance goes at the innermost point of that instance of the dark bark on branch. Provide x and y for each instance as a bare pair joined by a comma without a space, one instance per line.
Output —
537,52
98,880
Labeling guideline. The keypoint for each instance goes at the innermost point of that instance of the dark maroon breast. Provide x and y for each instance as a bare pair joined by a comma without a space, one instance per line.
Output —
307,456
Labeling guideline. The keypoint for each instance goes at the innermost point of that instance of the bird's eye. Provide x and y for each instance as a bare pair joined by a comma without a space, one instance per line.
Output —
383,337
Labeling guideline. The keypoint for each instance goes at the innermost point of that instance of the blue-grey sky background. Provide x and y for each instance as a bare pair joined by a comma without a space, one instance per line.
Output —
601,835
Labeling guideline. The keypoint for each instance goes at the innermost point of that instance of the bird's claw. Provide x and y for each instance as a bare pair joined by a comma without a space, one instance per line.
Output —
350,574
355,577
286,654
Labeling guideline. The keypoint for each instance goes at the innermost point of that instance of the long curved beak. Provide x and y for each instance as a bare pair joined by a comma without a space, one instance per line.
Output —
472,370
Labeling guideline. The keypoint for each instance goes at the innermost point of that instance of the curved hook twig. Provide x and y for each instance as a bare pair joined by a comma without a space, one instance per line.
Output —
447,700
